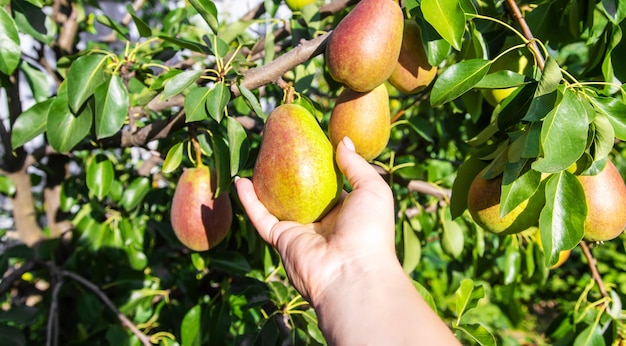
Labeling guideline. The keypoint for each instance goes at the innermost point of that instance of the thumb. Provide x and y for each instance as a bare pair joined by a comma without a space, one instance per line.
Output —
359,172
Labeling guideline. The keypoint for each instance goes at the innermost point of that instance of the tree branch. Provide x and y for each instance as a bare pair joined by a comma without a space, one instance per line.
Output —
307,49
591,261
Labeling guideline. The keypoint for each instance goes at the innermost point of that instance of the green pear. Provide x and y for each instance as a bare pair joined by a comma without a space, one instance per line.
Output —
412,72
364,118
199,220
605,194
363,50
295,175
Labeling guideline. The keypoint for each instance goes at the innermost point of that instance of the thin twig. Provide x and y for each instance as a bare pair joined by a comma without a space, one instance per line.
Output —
145,340
591,261
53,317
517,14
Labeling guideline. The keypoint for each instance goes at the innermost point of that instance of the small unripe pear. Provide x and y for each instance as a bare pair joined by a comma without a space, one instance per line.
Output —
363,49
364,118
605,194
199,220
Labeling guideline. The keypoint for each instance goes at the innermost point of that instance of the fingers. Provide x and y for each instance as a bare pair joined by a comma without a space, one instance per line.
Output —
262,220
358,171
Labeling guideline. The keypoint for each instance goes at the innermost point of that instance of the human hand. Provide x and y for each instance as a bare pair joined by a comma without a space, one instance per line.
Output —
356,234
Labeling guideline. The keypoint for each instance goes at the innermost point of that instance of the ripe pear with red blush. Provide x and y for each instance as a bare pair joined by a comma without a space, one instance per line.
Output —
363,50
412,72
295,175
200,221
605,194
364,117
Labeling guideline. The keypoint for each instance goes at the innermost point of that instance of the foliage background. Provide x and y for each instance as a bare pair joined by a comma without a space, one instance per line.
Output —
100,100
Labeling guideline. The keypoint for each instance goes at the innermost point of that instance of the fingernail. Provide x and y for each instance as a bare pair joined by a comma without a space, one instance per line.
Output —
348,143
236,178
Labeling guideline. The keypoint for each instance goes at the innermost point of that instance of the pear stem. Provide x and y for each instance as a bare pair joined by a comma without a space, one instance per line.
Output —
196,146
594,269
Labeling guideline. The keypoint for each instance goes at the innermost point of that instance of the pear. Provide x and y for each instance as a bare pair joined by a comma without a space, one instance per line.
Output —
298,5
200,221
605,194
412,72
483,203
363,50
364,118
295,175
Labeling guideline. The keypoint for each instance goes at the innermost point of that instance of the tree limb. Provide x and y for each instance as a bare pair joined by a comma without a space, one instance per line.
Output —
257,77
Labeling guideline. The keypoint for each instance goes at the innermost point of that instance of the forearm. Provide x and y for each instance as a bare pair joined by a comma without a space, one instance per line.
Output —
378,305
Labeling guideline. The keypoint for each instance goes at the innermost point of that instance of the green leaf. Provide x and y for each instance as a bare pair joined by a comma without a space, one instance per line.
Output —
217,99
452,238
31,20
37,81
186,44
512,264
135,192
191,326
447,17
478,333
105,20
221,155
615,110
111,107
237,145
604,136
546,93
563,217
7,187
142,27
467,296
100,173
513,108
65,129
180,82
501,79
174,158
83,76
12,336
425,294
208,11
517,187
195,104
30,124
457,80
590,336
563,135
412,248
19,314
252,101
10,51
230,261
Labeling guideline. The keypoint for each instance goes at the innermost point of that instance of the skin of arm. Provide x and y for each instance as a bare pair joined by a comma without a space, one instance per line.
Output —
345,265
